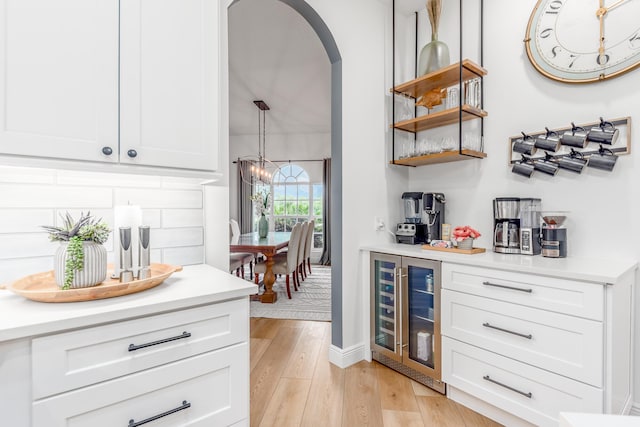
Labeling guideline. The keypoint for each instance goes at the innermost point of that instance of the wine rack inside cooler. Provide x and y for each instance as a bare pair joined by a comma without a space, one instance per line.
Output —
386,327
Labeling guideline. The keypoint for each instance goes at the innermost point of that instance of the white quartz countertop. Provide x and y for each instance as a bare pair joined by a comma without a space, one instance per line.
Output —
570,419
194,285
598,270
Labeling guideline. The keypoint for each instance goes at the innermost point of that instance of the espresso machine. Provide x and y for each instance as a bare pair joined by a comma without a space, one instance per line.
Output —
554,235
506,220
433,215
530,222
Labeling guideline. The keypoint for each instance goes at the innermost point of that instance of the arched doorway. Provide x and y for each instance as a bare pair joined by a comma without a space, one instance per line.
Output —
326,38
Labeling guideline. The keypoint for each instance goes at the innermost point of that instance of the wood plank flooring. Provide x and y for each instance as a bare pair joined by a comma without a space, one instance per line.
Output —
293,384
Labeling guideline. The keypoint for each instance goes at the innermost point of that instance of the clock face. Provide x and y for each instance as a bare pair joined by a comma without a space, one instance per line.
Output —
580,41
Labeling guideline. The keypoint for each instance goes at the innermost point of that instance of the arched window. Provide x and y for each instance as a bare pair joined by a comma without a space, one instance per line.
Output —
296,199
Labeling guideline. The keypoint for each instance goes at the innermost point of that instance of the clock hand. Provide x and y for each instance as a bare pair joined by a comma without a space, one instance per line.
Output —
613,6
600,14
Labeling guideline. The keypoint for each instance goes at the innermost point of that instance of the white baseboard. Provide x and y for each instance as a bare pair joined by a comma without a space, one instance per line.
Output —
345,357
635,409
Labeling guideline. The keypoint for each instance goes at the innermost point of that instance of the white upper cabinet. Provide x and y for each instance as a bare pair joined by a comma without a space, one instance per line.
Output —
169,83
138,79
59,78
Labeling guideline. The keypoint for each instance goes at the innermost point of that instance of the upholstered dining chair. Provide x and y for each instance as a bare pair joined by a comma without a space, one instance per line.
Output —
307,248
237,260
285,263
303,238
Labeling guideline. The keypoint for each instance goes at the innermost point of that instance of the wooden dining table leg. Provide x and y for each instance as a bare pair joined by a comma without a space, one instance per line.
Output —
269,279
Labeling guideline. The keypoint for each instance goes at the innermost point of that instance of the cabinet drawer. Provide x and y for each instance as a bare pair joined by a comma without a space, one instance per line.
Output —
567,345
76,359
214,384
549,293
506,383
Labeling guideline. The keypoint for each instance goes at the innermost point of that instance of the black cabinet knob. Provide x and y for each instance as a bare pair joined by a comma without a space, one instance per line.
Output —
132,153
107,151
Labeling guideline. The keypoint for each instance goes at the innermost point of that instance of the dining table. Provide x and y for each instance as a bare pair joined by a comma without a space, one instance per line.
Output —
268,246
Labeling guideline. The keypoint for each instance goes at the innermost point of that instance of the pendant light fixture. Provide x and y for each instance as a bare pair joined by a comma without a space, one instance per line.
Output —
258,169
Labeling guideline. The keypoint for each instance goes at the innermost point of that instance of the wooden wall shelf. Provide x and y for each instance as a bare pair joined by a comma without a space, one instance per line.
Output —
441,118
444,157
444,77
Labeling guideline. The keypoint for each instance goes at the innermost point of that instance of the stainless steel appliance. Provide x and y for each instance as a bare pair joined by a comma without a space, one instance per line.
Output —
433,215
506,219
554,235
530,222
411,234
405,317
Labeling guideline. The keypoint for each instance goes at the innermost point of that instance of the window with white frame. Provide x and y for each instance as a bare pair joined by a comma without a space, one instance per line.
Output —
295,199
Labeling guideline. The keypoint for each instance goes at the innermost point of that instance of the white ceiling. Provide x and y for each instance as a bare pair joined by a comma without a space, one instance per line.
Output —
275,56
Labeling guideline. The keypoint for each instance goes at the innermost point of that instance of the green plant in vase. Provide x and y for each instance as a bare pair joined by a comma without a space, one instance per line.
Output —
81,260
262,205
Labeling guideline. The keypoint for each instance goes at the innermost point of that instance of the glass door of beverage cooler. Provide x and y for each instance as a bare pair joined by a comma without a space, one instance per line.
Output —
421,316
385,303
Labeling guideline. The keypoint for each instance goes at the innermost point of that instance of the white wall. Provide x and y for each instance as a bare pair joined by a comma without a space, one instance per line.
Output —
32,197
604,206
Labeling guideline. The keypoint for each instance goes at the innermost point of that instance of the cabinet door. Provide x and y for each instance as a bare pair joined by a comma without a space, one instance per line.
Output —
169,83
385,305
202,391
59,78
421,315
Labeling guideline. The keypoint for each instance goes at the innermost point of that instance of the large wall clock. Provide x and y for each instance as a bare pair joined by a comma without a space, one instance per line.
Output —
580,41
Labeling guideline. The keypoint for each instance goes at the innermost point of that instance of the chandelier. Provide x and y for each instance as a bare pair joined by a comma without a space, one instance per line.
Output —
258,168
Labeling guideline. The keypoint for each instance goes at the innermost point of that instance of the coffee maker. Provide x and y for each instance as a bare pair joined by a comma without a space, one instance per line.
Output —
530,222
554,235
506,220
433,215
411,231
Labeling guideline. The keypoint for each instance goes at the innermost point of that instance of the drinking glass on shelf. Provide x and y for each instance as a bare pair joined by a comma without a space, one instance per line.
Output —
405,110
473,92
453,97
448,143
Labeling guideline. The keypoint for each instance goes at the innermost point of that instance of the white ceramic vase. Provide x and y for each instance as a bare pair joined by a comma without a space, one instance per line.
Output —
95,265
466,244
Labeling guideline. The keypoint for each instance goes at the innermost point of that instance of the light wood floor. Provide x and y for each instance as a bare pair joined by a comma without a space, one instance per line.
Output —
293,384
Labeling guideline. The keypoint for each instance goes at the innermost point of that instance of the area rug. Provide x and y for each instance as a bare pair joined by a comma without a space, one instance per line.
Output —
312,301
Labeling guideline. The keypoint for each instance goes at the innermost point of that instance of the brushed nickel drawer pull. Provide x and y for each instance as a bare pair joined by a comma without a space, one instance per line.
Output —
529,395
529,290
133,347
185,405
487,325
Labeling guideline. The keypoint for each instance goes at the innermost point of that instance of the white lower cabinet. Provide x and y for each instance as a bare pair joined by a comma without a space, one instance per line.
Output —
534,346
205,390
186,367
521,389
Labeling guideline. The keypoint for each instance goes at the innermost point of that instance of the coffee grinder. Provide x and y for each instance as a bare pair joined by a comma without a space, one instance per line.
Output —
530,222
554,235
506,220
433,215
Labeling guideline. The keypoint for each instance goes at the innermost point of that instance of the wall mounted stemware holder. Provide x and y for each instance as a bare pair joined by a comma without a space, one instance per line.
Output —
620,147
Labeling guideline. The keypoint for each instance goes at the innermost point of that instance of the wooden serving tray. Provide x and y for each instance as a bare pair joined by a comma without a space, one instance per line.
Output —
455,250
42,286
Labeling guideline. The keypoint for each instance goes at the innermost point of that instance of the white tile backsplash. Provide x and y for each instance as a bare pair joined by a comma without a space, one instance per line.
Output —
172,218
151,198
54,196
32,197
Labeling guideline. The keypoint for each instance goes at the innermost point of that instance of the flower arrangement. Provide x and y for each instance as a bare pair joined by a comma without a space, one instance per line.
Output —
85,229
464,232
262,203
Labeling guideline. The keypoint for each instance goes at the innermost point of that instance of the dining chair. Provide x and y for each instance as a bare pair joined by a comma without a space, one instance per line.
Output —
303,238
284,263
308,245
237,260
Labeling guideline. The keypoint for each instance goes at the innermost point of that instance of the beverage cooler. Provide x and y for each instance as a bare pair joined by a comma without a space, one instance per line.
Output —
405,317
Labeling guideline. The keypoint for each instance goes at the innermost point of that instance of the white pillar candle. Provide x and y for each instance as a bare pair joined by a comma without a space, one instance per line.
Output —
126,216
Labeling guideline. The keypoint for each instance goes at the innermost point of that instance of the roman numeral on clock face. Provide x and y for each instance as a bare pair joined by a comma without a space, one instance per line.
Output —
554,7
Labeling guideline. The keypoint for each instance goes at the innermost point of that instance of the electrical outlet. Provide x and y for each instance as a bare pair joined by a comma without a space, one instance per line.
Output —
379,224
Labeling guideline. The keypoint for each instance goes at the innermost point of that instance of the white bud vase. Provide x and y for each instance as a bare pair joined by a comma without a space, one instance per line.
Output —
94,271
